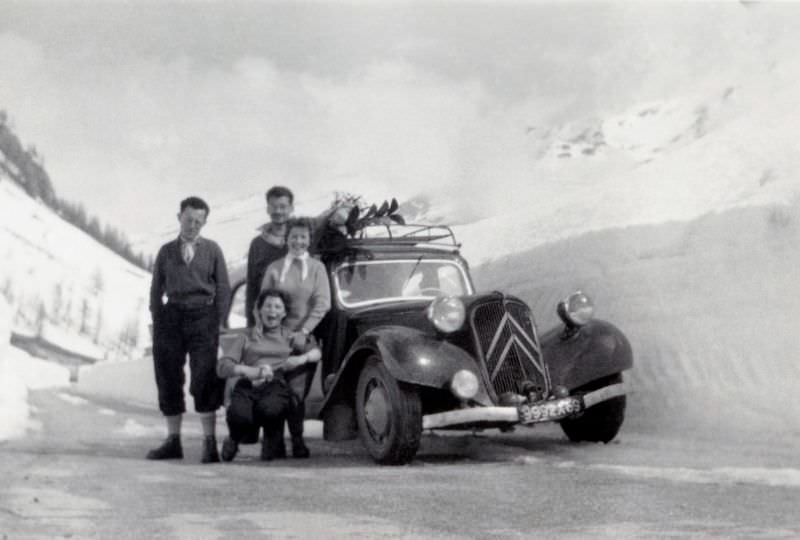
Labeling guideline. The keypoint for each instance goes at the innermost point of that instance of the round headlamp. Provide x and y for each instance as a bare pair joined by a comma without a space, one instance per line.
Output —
464,384
447,313
576,310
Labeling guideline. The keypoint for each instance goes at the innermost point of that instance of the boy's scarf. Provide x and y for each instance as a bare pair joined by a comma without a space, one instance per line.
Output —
271,237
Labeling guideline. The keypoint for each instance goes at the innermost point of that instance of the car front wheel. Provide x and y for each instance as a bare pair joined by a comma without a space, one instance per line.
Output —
389,415
601,422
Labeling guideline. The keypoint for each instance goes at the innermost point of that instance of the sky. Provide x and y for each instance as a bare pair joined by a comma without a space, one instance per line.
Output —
136,105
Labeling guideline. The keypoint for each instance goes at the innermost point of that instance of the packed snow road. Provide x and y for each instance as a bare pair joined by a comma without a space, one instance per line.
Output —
81,474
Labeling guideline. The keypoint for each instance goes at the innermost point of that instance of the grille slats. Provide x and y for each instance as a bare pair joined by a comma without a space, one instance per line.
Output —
506,342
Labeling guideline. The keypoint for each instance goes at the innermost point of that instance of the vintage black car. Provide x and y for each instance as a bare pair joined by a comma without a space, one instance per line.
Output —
409,345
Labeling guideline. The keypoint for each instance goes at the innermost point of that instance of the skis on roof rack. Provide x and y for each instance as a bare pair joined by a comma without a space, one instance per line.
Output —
408,234
349,226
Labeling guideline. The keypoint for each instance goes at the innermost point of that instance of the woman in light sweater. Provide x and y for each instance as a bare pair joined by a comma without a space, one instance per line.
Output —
264,372
305,280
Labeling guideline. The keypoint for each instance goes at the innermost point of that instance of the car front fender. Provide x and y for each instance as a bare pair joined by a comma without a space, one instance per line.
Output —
597,350
411,356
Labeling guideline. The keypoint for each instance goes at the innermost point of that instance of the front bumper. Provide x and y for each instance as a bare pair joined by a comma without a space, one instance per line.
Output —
542,411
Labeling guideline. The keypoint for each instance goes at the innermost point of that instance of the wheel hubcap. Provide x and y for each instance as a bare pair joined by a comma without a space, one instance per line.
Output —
376,411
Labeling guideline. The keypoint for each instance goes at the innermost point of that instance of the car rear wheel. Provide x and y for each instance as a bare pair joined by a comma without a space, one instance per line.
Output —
600,423
389,415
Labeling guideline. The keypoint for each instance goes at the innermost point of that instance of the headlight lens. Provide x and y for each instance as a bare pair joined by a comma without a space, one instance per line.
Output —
576,310
464,384
447,313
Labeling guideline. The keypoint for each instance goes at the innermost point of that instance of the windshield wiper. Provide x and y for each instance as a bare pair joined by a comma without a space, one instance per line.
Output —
413,271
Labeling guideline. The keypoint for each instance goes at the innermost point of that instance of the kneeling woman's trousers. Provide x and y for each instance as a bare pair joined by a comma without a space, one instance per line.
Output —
251,407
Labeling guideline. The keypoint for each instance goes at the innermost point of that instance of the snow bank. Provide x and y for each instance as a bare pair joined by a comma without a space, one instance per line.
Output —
708,305
132,381
14,410
19,373
5,326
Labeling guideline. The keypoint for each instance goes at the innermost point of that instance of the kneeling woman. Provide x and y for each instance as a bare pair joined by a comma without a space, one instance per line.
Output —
262,370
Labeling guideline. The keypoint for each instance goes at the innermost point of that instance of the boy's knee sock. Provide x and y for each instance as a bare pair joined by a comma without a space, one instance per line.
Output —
209,422
174,424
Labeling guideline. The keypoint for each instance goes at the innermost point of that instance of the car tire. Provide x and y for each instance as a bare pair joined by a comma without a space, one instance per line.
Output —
600,423
389,415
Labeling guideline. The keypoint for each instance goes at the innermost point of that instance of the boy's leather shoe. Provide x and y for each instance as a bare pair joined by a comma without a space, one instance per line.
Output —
170,449
210,453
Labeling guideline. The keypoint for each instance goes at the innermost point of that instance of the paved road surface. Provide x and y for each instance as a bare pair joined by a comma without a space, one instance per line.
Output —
82,475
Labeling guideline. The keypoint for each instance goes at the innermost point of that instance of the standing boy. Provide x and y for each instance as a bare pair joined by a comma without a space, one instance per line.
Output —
190,272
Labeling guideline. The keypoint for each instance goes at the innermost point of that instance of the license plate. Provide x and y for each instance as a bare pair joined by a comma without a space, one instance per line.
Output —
548,411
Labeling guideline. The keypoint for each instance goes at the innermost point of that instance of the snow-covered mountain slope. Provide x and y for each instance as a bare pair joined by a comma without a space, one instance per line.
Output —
726,147
64,286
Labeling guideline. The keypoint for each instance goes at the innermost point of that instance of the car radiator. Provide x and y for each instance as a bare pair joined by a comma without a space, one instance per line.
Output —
507,345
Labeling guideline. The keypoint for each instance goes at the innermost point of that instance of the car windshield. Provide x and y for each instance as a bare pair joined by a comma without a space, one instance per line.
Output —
371,282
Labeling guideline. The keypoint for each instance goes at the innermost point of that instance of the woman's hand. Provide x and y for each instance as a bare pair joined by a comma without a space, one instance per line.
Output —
266,373
298,340
296,361
257,373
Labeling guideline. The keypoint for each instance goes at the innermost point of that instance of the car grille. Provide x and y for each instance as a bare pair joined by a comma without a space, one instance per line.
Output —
506,342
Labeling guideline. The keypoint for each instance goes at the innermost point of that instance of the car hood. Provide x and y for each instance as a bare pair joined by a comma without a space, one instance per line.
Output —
413,313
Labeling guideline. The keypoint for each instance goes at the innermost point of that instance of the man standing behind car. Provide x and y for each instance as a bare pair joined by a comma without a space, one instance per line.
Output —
190,271
268,246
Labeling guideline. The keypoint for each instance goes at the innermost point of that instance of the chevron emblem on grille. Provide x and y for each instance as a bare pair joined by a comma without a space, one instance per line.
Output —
526,347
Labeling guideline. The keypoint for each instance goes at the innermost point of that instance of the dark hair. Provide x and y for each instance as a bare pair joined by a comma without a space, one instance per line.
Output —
300,223
195,202
273,293
280,191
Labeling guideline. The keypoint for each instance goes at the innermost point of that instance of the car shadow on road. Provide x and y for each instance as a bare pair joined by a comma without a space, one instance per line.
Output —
489,446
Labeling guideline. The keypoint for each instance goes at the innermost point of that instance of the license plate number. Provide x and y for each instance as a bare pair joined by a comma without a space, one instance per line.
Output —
548,410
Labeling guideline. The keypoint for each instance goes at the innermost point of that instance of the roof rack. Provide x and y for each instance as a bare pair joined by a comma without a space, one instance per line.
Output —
395,234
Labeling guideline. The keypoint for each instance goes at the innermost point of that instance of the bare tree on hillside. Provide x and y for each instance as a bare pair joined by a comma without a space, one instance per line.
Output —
41,317
98,287
8,288
58,302
66,319
85,311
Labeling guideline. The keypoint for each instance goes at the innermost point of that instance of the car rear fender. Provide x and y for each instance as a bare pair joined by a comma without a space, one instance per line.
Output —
597,350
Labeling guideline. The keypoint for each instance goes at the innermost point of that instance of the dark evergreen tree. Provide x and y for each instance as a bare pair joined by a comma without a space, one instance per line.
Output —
26,168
